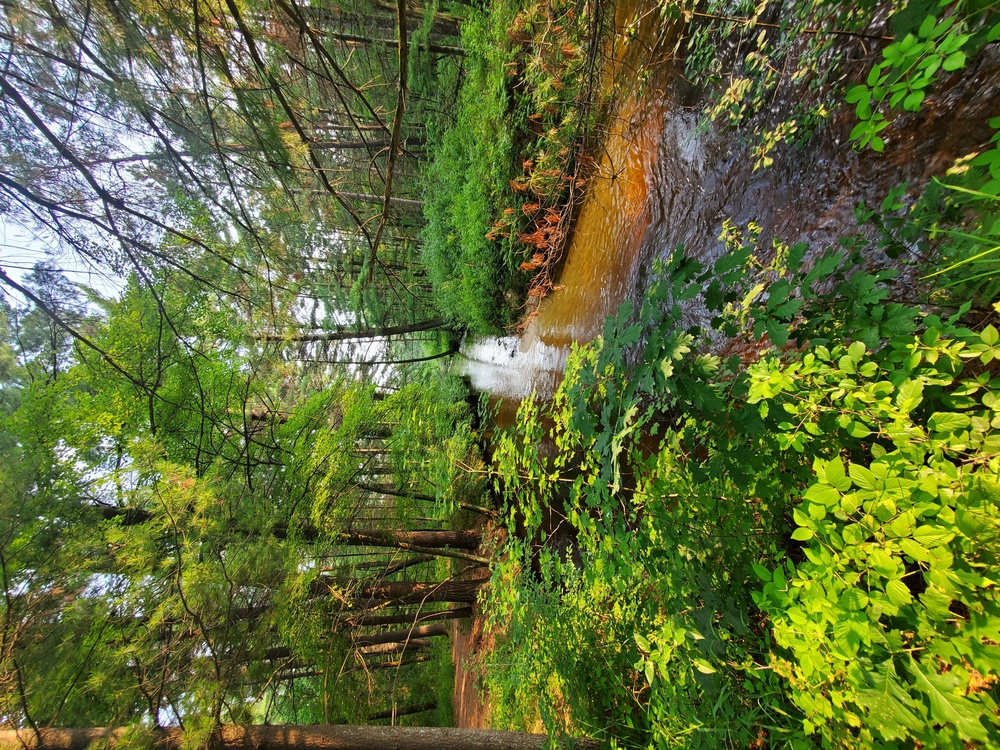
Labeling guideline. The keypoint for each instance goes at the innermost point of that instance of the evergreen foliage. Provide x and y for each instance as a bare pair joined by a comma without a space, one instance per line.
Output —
172,512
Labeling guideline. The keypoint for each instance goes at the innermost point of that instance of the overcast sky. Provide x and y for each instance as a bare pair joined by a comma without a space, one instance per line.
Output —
20,250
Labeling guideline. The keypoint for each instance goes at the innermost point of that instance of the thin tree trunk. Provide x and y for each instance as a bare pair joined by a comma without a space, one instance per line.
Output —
442,49
442,551
394,648
405,635
391,663
418,659
392,492
453,349
430,539
403,619
347,334
409,203
439,547
394,138
289,676
400,592
391,713
390,568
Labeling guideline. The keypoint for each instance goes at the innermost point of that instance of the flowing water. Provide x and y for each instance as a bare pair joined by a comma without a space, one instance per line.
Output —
663,181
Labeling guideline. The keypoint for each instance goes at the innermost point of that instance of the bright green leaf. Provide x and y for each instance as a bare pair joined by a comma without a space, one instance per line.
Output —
943,421
898,593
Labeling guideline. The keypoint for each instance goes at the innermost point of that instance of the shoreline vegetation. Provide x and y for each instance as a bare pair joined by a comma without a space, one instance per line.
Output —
504,181
794,545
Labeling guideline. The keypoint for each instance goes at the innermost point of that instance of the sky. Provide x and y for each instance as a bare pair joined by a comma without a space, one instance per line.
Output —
20,249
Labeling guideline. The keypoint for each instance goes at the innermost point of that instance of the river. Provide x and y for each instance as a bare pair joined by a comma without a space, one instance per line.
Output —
664,180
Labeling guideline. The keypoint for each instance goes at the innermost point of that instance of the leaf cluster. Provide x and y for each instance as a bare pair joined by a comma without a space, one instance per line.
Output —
846,454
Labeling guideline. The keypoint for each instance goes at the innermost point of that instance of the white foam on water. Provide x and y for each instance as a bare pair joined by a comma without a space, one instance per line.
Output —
512,367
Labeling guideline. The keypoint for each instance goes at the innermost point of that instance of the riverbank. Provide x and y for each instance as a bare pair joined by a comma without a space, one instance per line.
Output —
506,178
689,614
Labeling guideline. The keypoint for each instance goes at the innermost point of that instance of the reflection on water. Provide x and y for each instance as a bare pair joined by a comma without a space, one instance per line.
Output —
507,367
603,261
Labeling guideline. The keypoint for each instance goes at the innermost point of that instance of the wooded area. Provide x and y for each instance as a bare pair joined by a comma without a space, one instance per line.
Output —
241,495
224,500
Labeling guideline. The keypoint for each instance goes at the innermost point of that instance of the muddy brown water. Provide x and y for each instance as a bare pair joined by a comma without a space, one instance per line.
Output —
665,180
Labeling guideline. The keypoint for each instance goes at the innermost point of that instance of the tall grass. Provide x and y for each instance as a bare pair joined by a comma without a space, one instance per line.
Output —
500,176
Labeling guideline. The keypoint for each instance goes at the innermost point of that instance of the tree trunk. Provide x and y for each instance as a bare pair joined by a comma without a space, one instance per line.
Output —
399,592
391,713
400,540
321,737
407,203
388,568
418,659
393,492
384,489
390,664
427,539
418,644
404,635
368,41
347,334
392,539
406,618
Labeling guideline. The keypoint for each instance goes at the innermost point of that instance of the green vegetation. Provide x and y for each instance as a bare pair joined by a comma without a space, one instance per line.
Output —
500,179
232,482
792,541
237,491
187,531
805,53
860,482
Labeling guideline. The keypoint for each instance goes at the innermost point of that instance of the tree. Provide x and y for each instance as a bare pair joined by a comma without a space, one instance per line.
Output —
43,345
232,146
159,523
179,500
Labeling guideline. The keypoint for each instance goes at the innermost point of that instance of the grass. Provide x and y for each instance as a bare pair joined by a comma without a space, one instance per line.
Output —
501,176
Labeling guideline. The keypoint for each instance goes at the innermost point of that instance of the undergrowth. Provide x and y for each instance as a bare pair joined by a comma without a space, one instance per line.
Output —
501,176
749,55
791,541
798,548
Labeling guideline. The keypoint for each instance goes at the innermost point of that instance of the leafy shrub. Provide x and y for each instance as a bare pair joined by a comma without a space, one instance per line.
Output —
911,65
891,622
880,453
790,541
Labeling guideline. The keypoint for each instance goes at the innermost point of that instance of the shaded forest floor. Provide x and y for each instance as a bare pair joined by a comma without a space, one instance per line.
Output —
470,706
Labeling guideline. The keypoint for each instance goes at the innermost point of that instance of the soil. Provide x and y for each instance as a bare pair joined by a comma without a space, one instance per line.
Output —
470,707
